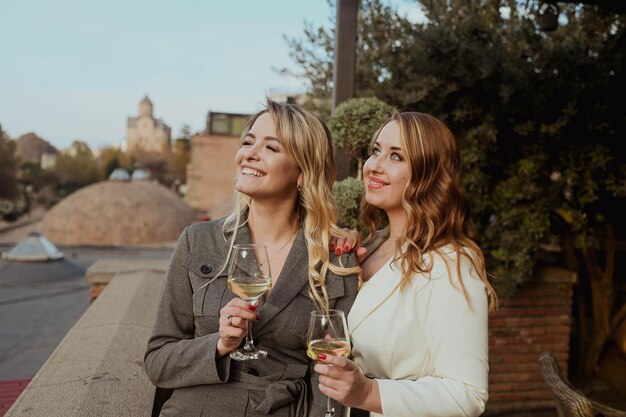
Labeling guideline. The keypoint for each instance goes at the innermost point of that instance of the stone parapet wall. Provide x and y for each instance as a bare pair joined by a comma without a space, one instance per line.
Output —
536,319
100,274
97,370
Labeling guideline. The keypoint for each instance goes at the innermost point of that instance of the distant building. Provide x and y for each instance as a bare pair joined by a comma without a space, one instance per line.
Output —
300,99
211,169
225,124
32,149
145,134
49,158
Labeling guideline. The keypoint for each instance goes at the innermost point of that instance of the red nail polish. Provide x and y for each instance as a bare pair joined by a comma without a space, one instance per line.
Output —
321,356
258,317
251,308
346,248
332,247
338,251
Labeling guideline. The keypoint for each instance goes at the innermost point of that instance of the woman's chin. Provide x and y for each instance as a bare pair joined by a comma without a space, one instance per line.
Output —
244,188
375,201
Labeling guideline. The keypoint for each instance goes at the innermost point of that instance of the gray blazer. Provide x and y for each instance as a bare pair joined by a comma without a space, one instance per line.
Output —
181,351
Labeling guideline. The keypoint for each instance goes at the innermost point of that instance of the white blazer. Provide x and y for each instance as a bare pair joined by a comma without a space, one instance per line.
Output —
425,346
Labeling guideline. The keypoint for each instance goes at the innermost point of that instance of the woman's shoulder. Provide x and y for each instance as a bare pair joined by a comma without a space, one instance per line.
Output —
448,262
205,232
374,241
203,227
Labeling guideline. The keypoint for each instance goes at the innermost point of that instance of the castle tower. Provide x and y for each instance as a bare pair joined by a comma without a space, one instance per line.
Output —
145,107
146,134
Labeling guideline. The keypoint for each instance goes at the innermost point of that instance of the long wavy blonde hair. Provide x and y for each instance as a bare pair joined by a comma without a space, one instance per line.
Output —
307,141
434,201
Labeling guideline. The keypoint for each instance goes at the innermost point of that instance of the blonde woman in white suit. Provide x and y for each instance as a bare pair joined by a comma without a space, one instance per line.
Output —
419,323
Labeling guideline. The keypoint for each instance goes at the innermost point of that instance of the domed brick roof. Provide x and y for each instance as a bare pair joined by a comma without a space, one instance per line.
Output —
118,213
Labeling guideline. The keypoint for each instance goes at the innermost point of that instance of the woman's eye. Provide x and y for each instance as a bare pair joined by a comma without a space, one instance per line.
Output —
376,152
396,156
271,148
246,142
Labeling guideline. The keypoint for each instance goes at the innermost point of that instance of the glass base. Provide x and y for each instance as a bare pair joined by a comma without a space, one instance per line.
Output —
246,355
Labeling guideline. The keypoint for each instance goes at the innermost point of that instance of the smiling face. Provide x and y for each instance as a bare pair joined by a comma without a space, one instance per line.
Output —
264,168
386,172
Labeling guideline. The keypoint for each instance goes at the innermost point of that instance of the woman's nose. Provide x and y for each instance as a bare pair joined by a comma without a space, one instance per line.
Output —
251,153
373,165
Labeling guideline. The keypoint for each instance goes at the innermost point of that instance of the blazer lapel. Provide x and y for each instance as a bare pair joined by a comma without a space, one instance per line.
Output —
243,235
373,294
379,237
292,278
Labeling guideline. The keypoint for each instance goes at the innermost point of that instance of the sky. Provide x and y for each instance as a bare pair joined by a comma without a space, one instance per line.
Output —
76,69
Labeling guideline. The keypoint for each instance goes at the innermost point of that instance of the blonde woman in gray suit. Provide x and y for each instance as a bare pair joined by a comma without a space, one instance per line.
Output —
419,323
283,200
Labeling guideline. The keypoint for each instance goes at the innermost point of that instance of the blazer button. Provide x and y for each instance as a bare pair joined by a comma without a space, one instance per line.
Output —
206,269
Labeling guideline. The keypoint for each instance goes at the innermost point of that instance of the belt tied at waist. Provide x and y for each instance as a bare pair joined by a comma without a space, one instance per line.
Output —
277,393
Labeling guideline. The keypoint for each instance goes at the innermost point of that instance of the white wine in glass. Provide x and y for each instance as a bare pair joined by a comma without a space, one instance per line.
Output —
248,291
249,277
337,347
328,334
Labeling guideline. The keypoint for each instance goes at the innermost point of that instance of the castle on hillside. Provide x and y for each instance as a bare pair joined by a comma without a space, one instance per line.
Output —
145,134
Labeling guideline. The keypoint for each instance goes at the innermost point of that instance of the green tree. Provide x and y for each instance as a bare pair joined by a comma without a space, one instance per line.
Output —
111,158
539,122
76,167
347,193
38,178
354,123
185,133
109,161
181,154
8,165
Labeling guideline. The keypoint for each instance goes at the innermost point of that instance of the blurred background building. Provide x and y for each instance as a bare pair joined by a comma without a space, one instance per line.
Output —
211,168
145,133
32,149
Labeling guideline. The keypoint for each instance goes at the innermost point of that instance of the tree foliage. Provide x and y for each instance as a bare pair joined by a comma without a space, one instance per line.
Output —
76,167
354,123
8,181
110,159
347,193
181,154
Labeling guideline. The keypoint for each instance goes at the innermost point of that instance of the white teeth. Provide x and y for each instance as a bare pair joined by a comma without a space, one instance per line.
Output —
250,171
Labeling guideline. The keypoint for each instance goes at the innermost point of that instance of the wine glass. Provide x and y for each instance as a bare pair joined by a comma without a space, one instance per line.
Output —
328,334
249,277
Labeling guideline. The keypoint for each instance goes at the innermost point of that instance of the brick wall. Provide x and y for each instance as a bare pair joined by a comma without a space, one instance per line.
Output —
537,318
211,173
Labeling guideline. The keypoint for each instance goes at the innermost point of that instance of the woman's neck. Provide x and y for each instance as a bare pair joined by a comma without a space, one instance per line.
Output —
271,223
397,224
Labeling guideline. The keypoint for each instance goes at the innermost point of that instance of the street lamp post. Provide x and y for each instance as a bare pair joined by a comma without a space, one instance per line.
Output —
344,68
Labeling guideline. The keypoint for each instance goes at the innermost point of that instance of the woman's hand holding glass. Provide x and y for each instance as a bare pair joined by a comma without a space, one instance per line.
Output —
327,336
342,380
249,277
233,317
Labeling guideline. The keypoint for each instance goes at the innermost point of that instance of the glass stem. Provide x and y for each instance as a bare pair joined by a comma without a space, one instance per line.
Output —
330,411
249,346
